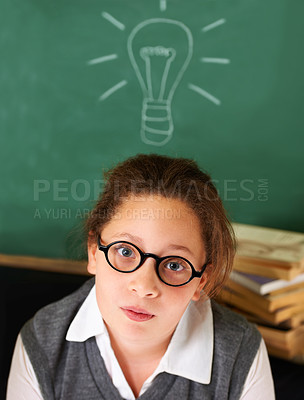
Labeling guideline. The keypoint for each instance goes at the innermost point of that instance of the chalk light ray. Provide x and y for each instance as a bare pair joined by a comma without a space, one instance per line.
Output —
163,5
113,21
112,90
204,93
214,25
102,59
215,60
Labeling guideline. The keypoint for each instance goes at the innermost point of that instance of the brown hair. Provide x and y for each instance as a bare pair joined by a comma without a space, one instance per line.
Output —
177,178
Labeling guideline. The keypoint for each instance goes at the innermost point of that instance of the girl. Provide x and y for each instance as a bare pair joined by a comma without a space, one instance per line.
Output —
160,247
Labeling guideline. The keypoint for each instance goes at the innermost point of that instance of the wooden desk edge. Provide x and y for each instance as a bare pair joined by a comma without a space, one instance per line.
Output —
44,264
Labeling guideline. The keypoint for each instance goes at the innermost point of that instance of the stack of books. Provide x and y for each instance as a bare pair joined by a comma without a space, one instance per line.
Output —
267,287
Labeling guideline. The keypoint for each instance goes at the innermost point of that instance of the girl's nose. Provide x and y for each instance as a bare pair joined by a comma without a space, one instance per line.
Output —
144,282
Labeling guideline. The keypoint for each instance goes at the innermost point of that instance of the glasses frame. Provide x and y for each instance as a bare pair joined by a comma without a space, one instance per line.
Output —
144,256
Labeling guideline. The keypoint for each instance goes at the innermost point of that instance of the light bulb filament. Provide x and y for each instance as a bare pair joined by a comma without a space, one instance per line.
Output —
161,58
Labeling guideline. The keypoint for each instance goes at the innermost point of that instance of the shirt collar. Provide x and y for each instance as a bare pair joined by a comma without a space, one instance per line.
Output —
189,353
88,321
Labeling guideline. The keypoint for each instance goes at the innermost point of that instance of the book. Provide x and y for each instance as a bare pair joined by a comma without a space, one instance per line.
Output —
268,302
271,244
269,252
264,285
287,343
234,299
293,322
265,268
282,329
290,355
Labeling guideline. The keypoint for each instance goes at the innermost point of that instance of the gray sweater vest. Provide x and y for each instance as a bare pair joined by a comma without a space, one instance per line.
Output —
76,371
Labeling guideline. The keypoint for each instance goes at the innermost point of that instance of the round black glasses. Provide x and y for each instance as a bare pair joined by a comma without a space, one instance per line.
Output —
126,257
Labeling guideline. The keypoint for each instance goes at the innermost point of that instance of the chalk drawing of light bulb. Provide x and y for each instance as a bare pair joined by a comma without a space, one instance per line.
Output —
160,51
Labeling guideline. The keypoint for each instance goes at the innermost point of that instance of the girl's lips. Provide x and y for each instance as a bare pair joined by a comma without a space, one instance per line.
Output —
136,314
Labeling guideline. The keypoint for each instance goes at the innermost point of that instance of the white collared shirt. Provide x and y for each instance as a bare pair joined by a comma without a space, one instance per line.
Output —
192,338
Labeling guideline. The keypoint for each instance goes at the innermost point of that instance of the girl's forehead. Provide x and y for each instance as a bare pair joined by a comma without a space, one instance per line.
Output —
155,221
154,207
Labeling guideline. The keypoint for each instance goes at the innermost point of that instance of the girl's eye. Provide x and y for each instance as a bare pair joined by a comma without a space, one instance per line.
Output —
174,266
125,252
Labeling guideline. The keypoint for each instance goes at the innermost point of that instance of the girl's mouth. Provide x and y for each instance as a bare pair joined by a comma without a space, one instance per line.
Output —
136,314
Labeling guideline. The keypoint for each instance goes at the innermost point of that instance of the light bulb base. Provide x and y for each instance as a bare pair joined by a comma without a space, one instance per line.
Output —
156,124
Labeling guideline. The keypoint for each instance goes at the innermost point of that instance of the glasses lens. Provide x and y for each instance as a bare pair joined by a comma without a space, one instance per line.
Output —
175,271
124,256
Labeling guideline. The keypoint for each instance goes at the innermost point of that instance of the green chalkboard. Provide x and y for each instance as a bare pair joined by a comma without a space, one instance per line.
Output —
87,83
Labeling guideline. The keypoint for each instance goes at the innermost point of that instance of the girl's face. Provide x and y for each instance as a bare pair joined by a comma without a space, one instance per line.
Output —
137,306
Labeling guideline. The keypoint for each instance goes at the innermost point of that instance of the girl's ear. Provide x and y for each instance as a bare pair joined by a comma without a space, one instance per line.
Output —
92,248
198,292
